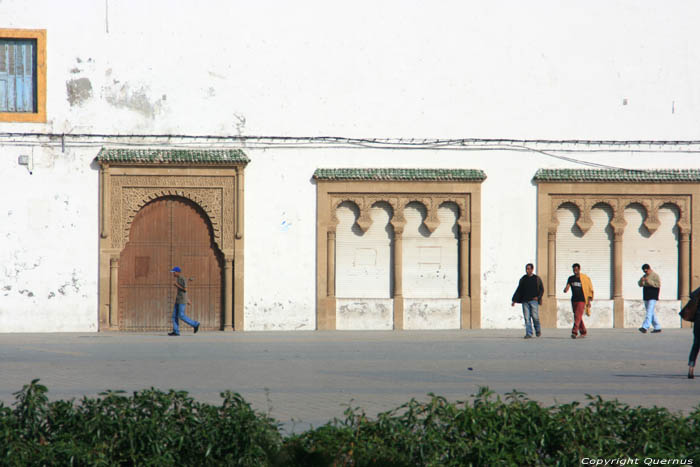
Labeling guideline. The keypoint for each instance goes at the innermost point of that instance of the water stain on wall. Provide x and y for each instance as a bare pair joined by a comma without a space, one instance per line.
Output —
78,91
136,99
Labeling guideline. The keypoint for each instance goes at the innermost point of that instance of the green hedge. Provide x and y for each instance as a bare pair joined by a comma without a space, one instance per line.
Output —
152,427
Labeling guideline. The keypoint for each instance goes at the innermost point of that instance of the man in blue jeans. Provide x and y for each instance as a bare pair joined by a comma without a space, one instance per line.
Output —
651,284
181,302
529,293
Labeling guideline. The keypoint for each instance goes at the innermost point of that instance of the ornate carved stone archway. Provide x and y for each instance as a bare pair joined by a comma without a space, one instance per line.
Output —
398,187
213,179
617,189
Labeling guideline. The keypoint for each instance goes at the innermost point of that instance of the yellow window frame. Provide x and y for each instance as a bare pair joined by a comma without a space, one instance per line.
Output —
40,36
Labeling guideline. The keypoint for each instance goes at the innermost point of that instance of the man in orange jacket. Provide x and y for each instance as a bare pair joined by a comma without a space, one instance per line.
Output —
581,298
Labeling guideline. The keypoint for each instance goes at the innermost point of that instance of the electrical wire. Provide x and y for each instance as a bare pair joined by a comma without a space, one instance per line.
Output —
336,142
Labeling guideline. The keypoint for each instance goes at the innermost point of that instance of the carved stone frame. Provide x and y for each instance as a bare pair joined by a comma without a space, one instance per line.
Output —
125,188
466,195
618,196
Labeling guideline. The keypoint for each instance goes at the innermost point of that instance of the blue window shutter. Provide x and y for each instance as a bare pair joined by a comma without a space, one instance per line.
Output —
17,75
29,77
4,77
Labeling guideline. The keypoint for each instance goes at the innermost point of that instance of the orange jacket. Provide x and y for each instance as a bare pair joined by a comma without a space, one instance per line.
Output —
587,287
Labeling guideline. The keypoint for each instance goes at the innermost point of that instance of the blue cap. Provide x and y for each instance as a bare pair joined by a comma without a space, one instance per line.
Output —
176,269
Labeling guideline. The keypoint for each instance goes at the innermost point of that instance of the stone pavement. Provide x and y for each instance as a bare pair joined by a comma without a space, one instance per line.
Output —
304,378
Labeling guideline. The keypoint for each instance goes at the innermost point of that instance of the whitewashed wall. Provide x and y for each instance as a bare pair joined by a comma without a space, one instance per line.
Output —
370,69
62,193
592,250
508,222
388,69
363,259
49,240
430,260
659,250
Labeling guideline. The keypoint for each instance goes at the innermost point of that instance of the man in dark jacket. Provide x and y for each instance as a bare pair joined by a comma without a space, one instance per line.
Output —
693,314
529,293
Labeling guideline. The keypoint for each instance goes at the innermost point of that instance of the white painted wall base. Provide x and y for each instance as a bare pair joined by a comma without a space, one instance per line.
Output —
601,314
276,312
666,312
364,314
263,77
431,313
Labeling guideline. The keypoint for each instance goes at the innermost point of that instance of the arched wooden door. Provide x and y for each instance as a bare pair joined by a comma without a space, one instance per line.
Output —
169,232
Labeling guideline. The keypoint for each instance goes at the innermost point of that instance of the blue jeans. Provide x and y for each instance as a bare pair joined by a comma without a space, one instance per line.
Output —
650,319
179,312
531,312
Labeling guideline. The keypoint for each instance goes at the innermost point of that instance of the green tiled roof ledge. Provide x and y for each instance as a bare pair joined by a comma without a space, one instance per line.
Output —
618,175
172,156
468,175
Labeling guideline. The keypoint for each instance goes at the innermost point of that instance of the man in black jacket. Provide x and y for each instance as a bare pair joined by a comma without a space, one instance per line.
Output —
529,293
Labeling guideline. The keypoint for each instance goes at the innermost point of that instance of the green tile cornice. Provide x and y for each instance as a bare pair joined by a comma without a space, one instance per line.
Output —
172,156
618,175
360,174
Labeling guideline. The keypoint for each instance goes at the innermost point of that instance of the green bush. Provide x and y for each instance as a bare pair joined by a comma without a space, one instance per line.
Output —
149,428
152,427
489,431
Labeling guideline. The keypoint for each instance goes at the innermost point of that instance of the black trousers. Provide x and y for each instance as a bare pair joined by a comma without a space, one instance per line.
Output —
696,340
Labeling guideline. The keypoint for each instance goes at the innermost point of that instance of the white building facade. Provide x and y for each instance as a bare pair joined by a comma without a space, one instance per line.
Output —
466,142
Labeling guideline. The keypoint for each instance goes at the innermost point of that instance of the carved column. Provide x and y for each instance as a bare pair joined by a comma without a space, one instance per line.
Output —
114,292
105,201
551,263
617,265
398,274
618,223
239,203
228,291
683,277
464,264
464,294
330,265
548,312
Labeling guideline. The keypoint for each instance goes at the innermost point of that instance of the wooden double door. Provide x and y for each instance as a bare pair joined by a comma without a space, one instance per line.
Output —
168,232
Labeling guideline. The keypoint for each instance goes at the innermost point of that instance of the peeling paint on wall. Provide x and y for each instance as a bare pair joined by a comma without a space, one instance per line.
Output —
78,91
21,265
666,312
73,283
277,315
431,313
364,314
240,123
138,100
601,314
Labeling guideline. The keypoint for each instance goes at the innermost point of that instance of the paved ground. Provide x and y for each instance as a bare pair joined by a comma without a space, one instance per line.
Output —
304,378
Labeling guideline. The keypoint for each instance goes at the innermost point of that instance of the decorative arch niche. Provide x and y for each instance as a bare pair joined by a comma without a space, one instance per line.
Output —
617,189
432,188
211,179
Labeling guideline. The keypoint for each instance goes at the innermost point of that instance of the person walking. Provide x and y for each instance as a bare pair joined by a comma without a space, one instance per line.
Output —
529,294
692,308
581,297
651,284
692,358
181,301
